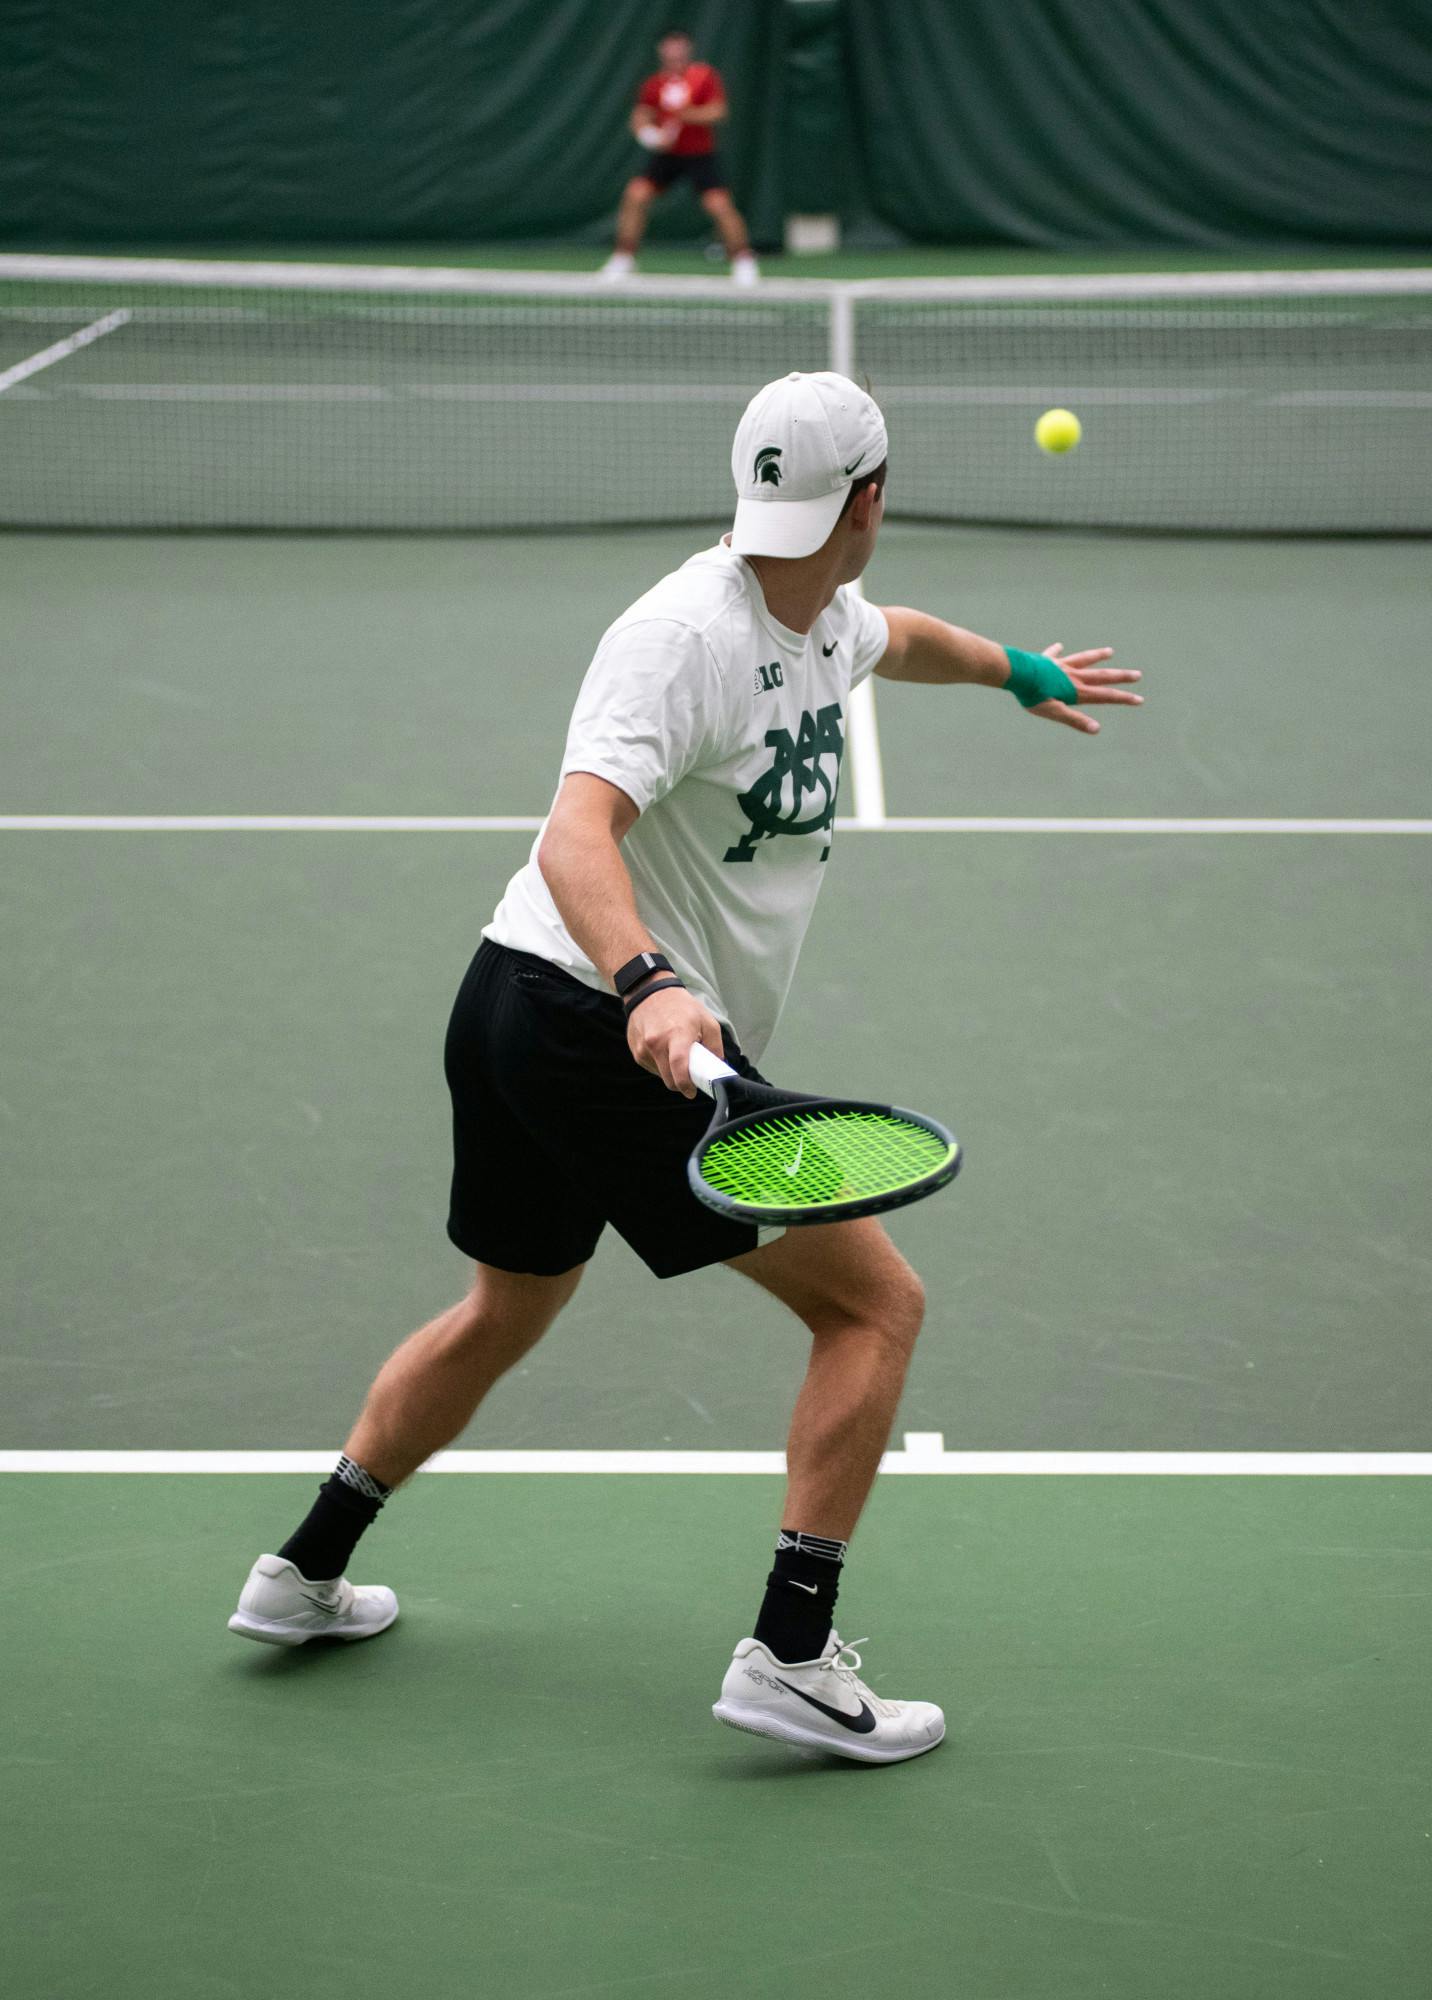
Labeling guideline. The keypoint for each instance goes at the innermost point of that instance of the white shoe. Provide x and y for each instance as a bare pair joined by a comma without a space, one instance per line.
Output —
620,264
280,1607
822,1705
744,269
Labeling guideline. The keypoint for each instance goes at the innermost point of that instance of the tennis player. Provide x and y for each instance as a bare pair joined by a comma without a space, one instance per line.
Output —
675,118
664,904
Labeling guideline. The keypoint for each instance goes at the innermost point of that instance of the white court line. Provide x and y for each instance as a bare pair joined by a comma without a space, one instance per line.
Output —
48,356
529,822
426,392
262,823
924,1454
1012,396
1356,399
711,393
1039,825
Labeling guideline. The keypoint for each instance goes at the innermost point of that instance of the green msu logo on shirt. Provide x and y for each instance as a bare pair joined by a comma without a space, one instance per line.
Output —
726,730
776,802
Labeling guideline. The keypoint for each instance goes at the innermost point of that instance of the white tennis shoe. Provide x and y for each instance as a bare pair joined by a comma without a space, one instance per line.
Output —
745,270
280,1607
824,1705
621,264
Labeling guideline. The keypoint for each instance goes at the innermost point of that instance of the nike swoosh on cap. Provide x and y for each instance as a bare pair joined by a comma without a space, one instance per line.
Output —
852,465
862,1724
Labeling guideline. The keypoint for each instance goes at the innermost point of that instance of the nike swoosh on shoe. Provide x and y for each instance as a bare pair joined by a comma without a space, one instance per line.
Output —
862,1724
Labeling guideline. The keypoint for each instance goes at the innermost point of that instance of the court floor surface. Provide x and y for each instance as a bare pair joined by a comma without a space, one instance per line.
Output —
1169,987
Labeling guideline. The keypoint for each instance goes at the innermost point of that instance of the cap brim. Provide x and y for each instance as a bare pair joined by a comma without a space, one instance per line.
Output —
785,527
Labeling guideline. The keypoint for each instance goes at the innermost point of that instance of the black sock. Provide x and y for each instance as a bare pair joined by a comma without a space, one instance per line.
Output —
799,1606
347,1503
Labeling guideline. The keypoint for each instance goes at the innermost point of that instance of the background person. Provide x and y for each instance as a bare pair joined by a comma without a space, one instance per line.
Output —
675,116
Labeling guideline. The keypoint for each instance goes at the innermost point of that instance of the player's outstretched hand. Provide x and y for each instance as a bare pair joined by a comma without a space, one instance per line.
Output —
660,1033
1095,683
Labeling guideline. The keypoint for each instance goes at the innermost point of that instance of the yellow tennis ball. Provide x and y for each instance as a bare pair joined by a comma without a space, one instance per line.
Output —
1058,430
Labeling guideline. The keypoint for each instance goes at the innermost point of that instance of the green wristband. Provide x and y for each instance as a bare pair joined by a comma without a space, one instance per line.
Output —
1034,677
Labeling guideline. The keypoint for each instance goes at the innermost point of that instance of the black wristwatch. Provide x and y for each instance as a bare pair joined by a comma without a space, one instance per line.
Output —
638,968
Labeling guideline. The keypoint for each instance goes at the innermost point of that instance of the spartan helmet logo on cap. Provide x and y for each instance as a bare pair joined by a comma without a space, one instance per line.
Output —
768,473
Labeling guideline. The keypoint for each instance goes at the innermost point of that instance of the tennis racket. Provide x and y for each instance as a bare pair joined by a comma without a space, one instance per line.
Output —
778,1156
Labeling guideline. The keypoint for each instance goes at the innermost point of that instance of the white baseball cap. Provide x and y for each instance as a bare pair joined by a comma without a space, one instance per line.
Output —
800,444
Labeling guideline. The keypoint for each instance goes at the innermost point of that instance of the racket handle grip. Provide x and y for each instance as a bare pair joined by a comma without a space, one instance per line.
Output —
706,1068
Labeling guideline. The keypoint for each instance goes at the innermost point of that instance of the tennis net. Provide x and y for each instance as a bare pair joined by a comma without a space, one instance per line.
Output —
165,394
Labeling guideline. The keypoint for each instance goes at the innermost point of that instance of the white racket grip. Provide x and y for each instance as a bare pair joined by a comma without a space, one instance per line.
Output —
705,1068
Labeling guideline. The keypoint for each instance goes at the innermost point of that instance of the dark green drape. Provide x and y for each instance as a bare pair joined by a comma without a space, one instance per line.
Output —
1108,121
330,120
819,110
1034,121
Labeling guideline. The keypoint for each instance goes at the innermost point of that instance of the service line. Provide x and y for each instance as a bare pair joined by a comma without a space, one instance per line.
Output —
869,794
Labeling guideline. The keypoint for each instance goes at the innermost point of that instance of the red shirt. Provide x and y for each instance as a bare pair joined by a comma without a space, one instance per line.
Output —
667,93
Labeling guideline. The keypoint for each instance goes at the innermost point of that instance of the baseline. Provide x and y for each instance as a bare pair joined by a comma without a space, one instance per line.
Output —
923,1454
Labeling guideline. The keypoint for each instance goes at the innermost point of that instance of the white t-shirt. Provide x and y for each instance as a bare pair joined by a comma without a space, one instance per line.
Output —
726,731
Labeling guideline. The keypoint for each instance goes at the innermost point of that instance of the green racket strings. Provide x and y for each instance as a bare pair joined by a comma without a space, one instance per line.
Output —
809,1159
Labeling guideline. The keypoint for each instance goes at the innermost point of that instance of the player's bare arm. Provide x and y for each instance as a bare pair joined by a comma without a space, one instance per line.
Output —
581,863
925,649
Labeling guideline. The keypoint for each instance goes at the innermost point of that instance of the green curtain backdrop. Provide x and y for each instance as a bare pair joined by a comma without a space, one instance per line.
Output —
1141,121
231,121
1031,121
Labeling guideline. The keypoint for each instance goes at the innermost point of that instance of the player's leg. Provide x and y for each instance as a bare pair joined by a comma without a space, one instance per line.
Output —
635,207
427,1392
863,1306
424,1395
529,1256
731,226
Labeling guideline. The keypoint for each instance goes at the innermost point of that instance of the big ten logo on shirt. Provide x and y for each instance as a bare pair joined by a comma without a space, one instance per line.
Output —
769,678
796,793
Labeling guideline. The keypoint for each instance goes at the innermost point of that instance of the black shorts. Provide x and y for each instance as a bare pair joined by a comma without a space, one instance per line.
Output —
664,170
557,1131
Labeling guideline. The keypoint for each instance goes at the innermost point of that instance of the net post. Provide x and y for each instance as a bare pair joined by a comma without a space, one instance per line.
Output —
842,331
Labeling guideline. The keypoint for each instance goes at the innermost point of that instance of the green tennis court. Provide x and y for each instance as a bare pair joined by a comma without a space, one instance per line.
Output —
358,369
1189,1714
